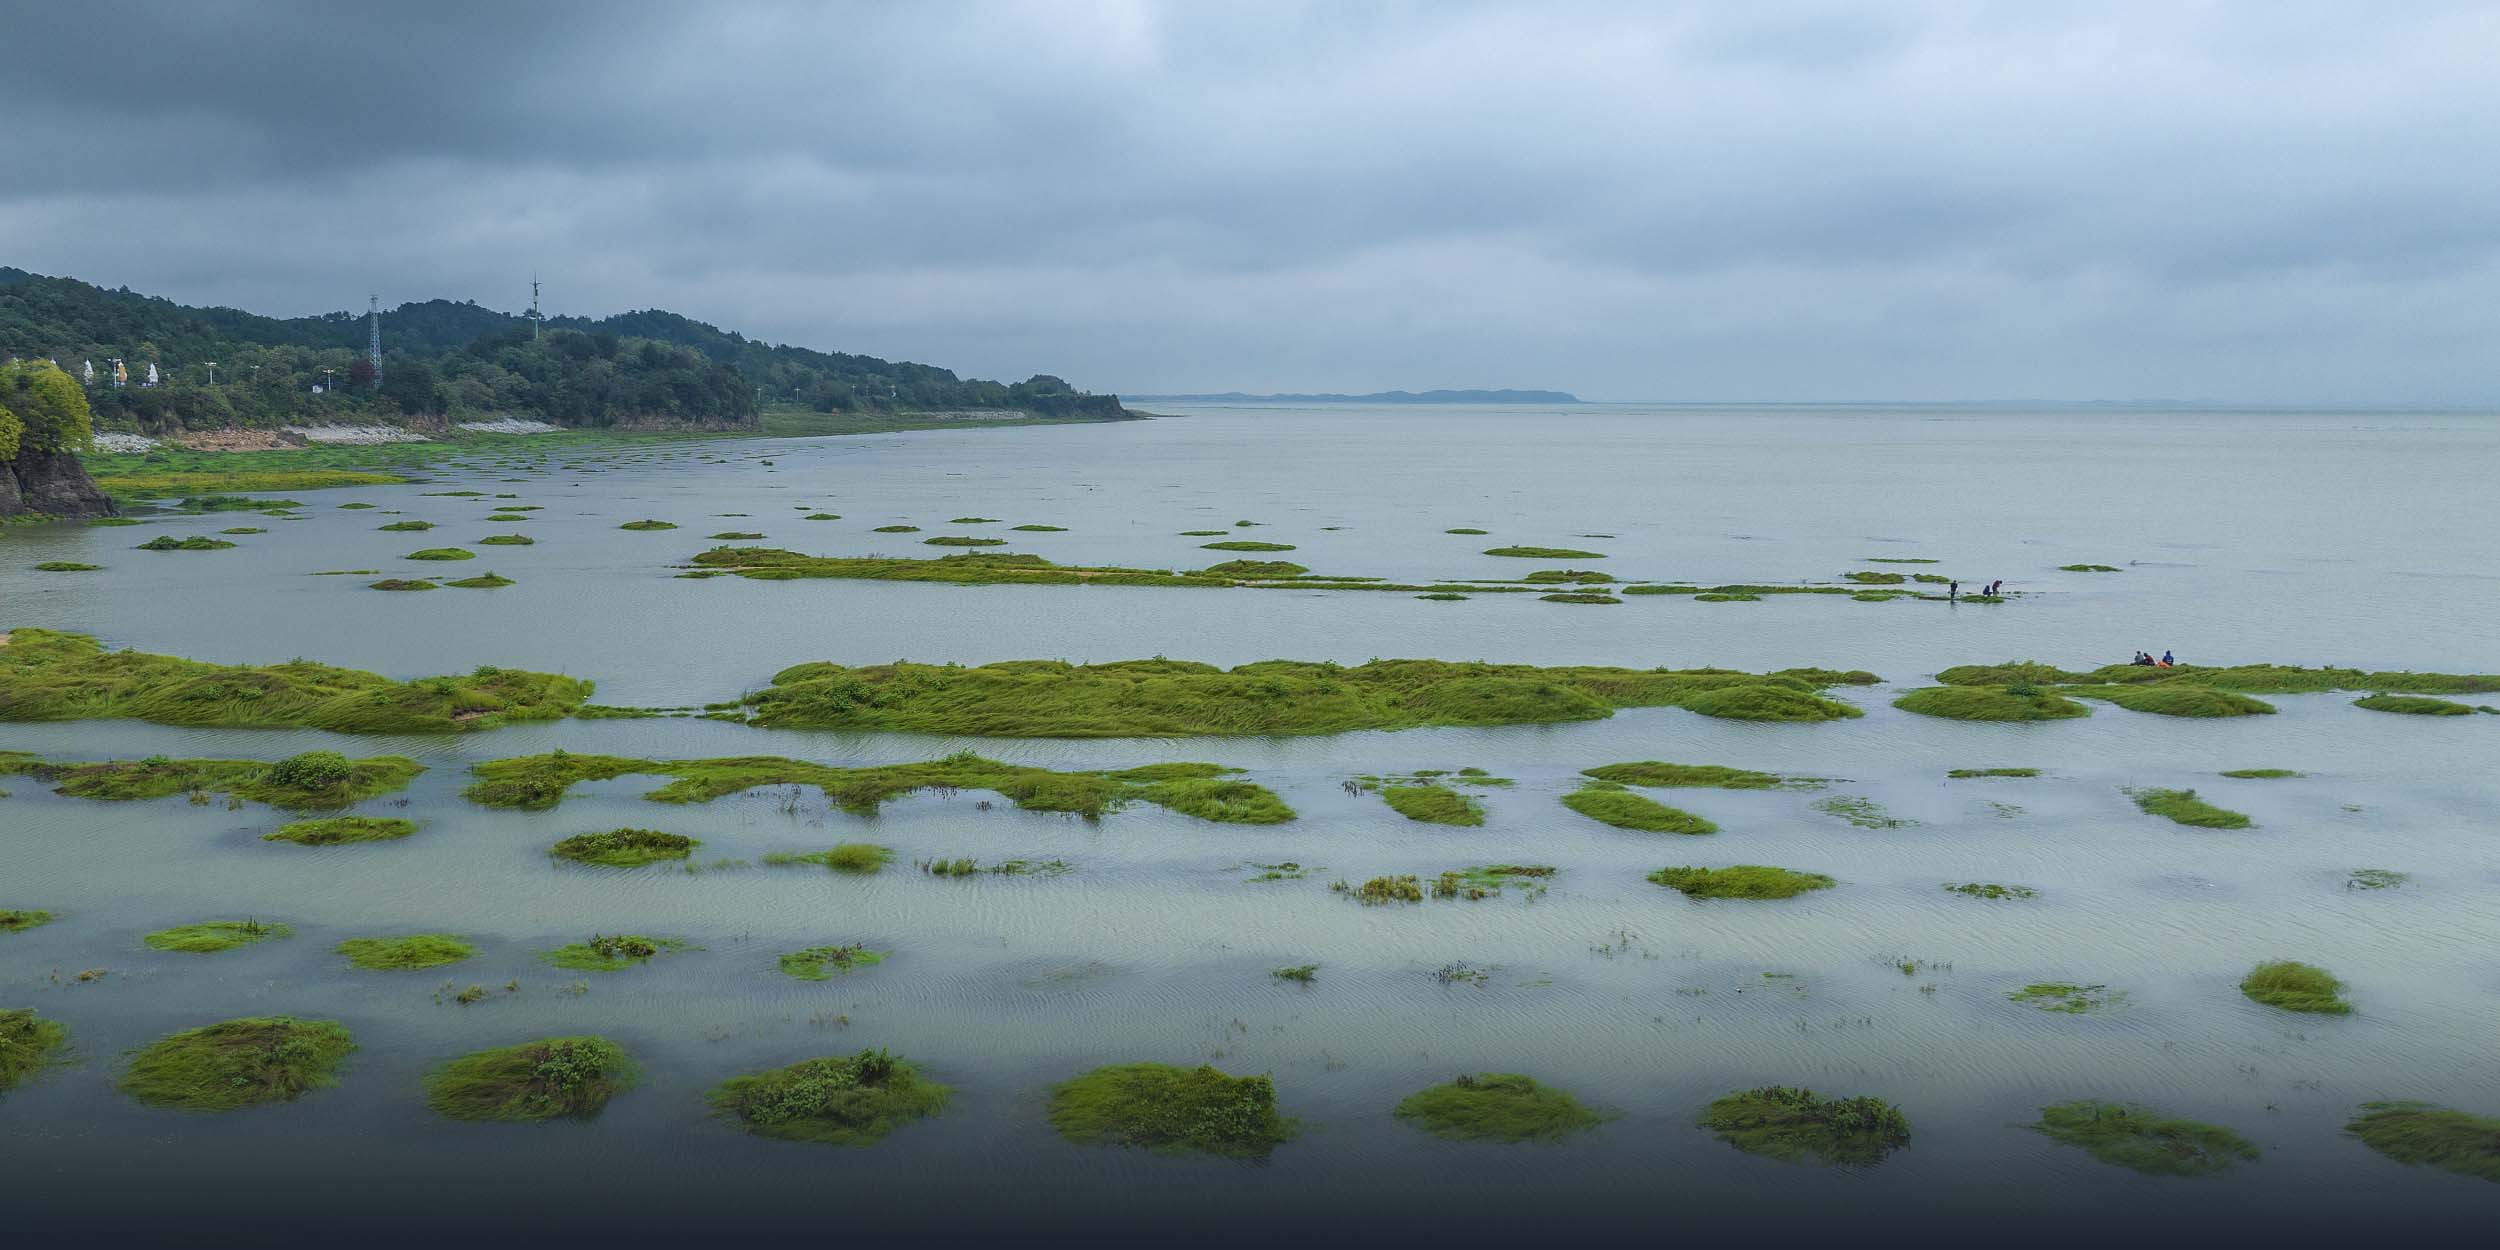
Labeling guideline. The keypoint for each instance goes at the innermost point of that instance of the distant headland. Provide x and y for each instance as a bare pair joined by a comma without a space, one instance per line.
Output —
1376,397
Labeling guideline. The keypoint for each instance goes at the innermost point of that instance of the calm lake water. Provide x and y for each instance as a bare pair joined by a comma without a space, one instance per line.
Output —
2360,539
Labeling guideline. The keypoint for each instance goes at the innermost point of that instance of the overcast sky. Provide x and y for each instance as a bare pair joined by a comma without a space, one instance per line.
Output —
2273,201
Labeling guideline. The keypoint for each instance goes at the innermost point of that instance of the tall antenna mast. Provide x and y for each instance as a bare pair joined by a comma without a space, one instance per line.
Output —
373,343
534,307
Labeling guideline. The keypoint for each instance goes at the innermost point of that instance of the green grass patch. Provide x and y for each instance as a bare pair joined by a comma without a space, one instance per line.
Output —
20,919
648,524
1899,560
972,520
1865,813
47,675
1602,801
896,529
1963,773
211,937
2296,987
1241,545
548,1079
334,830
1578,596
2375,879
1544,553
314,780
405,954
28,1044
2184,807
603,953
1434,805
2262,774
963,540
2142,1140
1577,576
1302,973
1794,1124
2412,705
1869,578
1991,703
507,540
1465,530
1396,888
856,858
1443,596
2066,998
2175,700
2420,1133
1176,1110
822,516
624,848
821,963
66,566
1658,774
405,527
2244,678
1989,889
1486,880
1497,1107
737,535
237,1063
441,553
2089,568
1254,570
1752,881
484,581
402,583
853,1100
167,542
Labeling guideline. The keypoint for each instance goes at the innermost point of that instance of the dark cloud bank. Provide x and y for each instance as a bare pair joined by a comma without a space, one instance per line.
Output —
2269,202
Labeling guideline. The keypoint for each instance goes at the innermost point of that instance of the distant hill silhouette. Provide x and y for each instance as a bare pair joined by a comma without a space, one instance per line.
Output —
1377,397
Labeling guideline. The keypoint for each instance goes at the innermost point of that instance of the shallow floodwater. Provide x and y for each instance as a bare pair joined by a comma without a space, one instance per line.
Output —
2358,539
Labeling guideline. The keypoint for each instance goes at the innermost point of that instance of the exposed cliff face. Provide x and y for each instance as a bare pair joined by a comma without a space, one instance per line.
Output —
52,483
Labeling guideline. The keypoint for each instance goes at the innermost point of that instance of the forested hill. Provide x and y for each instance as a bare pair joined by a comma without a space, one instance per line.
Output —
460,360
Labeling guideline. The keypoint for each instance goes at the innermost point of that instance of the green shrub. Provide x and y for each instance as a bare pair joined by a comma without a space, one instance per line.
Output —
849,1101
552,1078
624,848
1170,1109
1787,1123
2296,987
236,1063
1497,1107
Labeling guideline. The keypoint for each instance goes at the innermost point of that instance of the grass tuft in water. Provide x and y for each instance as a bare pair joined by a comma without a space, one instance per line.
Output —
1389,889
2142,1140
1304,973
2420,1133
624,848
2184,807
2375,879
853,1100
28,1044
237,1063
648,524
402,583
167,542
1497,1107
489,580
1663,775
1750,881
19,920
1432,804
1960,773
66,566
213,936
1990,889
820,963
405,954
857,858
405,527
2088,568
1603,801
1544,553
2296,987
334,830
1175,1110
1793,1124
2066,998
551,1078
441,553
1991,703
1863,812
2262,774
2412,705
603,953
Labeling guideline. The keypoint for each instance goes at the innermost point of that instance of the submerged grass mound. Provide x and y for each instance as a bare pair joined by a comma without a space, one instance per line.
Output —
236,1063
1578,596
2066,998
2142,1140
2296,987
1604,801
1168,698
2176,700
1486,880
333,830
624,848
1254,570
1786,1123
28,1044
963,540
19,920
857,858
311,781
405,527
1960,773
46,675
1171,1109
1391,889
2184,807
483,581
440,553
1433,805
1863,812
538,782
1740,881
1989,889
1998,703
405,954
1660,775
1497,1107
2088,568
167,542
1577,576
819,963
2419,1133
611,954
737,535
2244,678
213,936
66,566
402,583
850,1100
1245,545
2262,774
507,540
547,1079
1544,553
2412,705
648,524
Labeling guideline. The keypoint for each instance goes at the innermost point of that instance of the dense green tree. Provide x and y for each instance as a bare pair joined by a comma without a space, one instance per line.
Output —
50,407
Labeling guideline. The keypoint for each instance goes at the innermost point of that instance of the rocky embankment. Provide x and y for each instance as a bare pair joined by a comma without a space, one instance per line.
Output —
52,484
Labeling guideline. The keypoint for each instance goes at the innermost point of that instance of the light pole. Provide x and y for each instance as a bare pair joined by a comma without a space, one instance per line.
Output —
212,373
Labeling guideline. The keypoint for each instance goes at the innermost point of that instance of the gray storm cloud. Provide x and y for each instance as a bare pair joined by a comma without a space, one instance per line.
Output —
2268,202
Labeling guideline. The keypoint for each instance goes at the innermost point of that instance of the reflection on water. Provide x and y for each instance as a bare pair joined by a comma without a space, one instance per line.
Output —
1159,946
